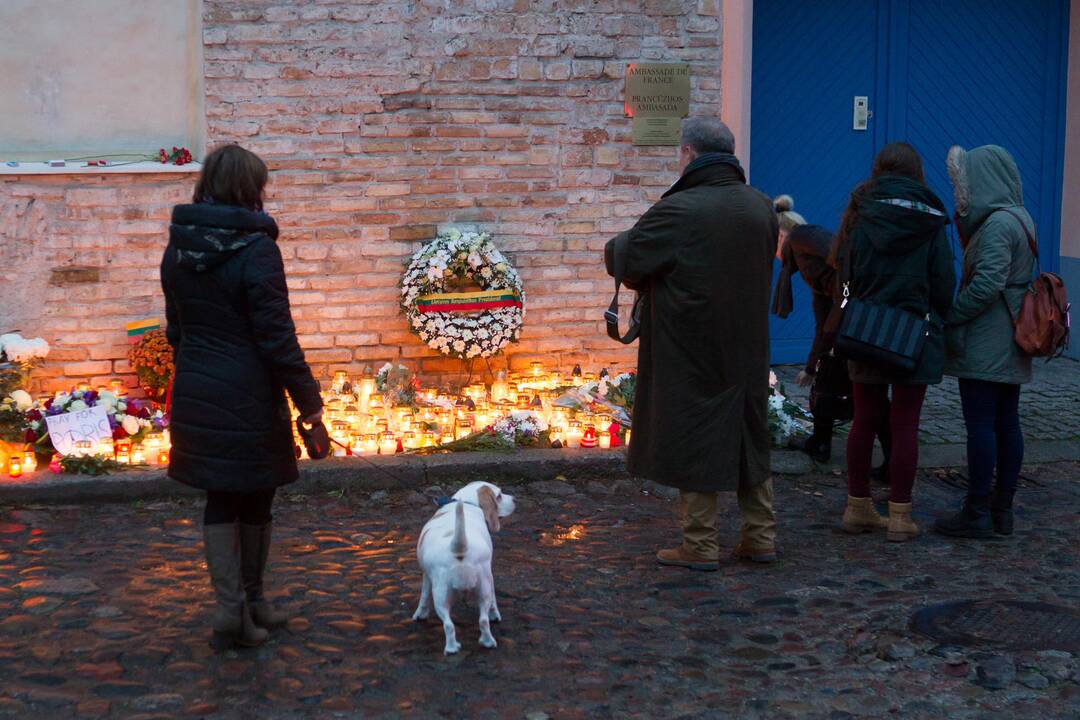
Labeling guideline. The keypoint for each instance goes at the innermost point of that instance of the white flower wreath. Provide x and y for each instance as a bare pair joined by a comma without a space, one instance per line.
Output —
483,326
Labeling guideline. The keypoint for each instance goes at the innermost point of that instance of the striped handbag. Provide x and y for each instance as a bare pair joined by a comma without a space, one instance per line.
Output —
877,334
881,335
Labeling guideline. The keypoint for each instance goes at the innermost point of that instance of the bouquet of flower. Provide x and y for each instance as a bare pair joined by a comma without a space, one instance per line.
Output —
522,427
785,417
178,156
128,419
593,397
152,358
398,385
621,390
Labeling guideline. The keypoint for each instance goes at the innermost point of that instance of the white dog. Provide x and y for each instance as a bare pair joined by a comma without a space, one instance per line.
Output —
454,551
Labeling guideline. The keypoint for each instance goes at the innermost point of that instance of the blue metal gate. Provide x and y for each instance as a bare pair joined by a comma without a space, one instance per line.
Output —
967,72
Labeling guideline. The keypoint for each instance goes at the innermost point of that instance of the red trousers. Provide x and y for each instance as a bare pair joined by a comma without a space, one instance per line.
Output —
871,402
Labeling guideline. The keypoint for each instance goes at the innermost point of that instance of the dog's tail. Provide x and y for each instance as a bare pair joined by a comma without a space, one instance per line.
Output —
458,545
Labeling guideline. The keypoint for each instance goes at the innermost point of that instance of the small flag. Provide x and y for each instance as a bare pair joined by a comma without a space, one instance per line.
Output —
137,329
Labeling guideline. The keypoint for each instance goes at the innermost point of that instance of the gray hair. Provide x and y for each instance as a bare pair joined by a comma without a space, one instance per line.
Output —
707,134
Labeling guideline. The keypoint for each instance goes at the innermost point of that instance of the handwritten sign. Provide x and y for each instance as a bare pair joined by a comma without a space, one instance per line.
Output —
90,424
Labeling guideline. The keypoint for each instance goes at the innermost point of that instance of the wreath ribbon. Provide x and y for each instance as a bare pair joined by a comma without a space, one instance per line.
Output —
467,302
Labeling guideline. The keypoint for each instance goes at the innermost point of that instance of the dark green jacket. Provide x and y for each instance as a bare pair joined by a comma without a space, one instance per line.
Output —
998,266
900,256
702,256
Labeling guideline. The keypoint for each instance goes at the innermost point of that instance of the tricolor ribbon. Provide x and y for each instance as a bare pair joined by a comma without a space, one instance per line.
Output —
468,302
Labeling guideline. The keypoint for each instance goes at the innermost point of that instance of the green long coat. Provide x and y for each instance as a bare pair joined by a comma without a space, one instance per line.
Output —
702,257
998,266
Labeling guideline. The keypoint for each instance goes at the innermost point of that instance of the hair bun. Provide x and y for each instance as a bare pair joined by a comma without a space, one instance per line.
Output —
784,203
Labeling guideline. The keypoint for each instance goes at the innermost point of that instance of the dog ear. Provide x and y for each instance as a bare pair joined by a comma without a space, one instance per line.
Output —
486,497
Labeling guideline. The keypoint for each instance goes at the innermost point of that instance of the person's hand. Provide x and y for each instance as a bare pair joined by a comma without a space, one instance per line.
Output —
804,379
313,418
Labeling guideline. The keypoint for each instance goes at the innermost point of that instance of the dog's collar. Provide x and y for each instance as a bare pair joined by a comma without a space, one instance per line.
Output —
443,501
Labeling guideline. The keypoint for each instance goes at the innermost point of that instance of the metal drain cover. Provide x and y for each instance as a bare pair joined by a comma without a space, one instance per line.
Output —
1004,624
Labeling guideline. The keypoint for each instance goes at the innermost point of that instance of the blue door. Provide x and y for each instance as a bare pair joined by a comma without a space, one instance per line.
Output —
967,72
803,79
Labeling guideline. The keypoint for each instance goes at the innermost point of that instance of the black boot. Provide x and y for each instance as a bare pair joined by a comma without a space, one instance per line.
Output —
232,624
973,520
1001,514
254,551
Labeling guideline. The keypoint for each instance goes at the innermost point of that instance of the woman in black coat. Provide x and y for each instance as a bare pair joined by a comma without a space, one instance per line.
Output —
229,323
892,251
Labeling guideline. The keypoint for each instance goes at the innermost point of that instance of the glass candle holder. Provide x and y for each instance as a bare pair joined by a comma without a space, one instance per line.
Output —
15,466
29,461
574,432
387,443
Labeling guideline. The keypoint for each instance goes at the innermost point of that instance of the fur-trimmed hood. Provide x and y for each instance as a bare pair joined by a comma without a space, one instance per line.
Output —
984,180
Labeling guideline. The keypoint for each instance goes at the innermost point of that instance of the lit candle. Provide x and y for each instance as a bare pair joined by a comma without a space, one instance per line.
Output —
29,461
82,448
387,444
500,389
123,452
446,439
627,440
464,430
430,440
138,455
574,434
163,457
371,444
410,440
341,379
537,368
15,466
588,439
605,440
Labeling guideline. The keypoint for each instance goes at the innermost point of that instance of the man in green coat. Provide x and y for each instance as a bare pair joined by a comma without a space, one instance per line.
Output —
702,259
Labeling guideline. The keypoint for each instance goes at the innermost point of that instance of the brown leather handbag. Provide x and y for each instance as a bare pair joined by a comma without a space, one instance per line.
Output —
1041,329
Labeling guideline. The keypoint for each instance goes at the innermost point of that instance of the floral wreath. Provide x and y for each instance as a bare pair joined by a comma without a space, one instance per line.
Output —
463,324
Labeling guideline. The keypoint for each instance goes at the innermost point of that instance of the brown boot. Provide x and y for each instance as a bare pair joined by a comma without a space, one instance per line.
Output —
745,551
232,623
861,517
683,556
901,528
254,551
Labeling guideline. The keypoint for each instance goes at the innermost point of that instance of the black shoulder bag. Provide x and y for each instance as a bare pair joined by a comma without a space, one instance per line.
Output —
611,317
881,335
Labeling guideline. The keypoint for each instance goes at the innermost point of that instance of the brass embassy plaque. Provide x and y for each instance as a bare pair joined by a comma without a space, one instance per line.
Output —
657,130
657,90
657,95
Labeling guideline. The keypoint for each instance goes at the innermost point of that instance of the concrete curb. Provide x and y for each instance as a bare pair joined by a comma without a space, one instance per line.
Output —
420,472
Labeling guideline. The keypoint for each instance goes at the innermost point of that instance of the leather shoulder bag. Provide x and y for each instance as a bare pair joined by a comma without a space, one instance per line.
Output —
611,317
878,334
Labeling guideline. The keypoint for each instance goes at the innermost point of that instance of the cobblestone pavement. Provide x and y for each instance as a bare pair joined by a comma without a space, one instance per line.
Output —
103,612
1049,405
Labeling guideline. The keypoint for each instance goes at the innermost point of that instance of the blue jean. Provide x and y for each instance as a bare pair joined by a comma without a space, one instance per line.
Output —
992,417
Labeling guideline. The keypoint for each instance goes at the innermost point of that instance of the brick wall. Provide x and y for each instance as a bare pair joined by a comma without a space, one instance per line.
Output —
382,120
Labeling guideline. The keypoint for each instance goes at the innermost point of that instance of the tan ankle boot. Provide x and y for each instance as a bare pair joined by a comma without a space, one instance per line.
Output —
861,517
901,528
